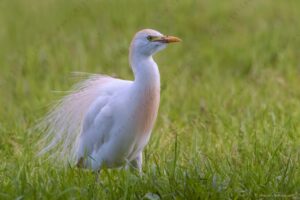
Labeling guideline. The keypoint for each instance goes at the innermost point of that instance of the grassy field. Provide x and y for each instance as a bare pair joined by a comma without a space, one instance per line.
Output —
229,119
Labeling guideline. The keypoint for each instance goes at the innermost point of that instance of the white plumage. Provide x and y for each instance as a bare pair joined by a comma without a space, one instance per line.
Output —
106,121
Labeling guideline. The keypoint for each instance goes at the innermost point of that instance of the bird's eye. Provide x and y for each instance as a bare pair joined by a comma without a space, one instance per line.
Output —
149,37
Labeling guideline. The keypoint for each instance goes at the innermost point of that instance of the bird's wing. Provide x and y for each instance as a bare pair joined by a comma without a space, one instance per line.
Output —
62,125
96,127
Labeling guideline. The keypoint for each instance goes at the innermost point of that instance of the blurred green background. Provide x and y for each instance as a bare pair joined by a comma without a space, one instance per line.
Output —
228,125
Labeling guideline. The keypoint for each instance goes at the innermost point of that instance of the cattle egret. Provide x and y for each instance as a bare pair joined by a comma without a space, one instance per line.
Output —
104,121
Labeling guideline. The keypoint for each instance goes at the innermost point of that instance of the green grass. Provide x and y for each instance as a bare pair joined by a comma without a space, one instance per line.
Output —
229,118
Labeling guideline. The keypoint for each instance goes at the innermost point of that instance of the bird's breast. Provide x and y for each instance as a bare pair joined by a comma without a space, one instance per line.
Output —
146,109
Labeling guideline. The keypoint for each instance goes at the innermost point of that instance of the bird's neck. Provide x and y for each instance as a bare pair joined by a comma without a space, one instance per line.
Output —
146,73
146,93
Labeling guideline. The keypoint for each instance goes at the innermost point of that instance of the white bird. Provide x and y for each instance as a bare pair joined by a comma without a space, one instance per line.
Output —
104,121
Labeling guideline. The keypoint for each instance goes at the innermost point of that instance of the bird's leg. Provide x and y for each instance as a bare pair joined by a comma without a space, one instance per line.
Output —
97,167
80,163
137,163
97,176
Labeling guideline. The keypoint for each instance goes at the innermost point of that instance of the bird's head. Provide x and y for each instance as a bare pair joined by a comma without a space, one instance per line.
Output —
147,42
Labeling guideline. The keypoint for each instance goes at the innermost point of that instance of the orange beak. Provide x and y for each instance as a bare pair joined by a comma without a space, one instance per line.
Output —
167,39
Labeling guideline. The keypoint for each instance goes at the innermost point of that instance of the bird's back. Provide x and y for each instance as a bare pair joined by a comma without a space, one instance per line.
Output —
63,124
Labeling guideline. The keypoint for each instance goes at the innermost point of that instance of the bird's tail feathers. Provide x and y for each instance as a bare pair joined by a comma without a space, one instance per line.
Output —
61,127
